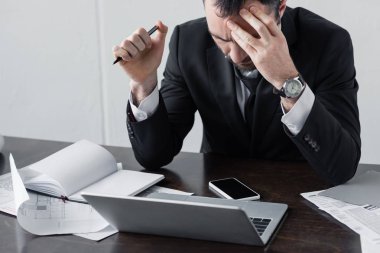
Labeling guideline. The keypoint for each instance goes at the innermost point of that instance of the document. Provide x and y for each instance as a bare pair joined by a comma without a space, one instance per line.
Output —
368,247
159,189
47,206
364,220
45,215
19,190
51,212
84,166
100,235
356,204
42,215
7,203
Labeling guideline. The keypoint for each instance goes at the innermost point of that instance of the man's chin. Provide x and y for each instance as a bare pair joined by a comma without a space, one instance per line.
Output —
245,67
248,66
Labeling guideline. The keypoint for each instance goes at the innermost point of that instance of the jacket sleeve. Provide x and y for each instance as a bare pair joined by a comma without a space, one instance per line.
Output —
156,140
330,139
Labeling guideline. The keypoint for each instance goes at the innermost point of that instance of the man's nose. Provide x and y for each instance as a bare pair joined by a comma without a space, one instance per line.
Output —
237,54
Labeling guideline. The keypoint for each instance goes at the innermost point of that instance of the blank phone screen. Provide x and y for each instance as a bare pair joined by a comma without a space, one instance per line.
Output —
234,188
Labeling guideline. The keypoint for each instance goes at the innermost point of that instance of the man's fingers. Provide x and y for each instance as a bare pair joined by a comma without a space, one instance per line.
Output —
137,41
127,51
144,36
136,44
267,20
122,53
244,44
162,30
257,24
133,45
245,40
129,48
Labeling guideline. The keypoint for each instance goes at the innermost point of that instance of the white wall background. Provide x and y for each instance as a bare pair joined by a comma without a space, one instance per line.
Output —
57,81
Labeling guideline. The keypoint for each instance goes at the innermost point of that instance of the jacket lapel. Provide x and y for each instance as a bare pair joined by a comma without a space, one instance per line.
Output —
266,105
222,82
289,28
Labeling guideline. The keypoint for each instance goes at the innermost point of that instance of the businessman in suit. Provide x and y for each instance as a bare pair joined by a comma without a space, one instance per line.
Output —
269,82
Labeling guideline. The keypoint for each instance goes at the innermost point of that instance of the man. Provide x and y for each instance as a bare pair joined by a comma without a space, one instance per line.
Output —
269,82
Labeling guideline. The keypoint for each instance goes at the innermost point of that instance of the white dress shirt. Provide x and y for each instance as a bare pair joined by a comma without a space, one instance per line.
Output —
294,120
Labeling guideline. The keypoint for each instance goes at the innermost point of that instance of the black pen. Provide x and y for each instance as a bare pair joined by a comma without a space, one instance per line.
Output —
150,32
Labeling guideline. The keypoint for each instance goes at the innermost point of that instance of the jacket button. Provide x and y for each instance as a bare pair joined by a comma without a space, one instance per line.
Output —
314,144
306,137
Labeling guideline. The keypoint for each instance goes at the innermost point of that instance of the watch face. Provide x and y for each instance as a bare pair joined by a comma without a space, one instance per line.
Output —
293,88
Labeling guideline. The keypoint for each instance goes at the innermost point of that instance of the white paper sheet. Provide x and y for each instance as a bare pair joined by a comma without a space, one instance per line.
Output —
122,183
19,190
7,203
43,215
100,235
159,189
84,167
368,247
348,214
83,161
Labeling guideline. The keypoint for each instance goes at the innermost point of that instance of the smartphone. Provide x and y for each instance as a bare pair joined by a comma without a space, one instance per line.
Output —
231,188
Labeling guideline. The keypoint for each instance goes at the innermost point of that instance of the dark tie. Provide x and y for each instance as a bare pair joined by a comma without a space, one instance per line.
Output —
251,83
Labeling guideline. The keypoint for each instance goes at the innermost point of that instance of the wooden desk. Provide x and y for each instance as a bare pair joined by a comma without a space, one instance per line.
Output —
306,229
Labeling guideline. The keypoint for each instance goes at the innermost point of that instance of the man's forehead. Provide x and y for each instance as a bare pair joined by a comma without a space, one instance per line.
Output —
213,4
213,9
217,24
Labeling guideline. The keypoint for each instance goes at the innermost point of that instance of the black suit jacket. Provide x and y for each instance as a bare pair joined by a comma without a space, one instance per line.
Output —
198,77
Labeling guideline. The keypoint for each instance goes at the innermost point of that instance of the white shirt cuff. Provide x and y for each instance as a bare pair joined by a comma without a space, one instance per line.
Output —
147,106
295,119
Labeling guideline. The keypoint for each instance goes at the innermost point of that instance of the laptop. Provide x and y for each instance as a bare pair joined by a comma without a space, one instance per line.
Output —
204,218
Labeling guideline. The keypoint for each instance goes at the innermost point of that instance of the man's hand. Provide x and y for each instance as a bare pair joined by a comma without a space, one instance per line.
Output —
270,52
142,56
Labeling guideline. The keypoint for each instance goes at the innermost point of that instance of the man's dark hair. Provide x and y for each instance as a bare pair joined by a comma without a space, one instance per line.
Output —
231,7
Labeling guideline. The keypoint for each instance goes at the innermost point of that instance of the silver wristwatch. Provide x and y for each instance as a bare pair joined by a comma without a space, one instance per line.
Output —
292,88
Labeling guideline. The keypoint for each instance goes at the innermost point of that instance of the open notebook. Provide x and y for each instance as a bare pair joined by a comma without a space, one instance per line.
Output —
84,166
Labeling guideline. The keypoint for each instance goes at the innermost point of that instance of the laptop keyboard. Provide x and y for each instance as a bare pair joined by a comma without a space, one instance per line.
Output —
260,224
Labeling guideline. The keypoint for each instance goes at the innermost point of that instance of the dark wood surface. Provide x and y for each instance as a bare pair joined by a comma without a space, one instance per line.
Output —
306,229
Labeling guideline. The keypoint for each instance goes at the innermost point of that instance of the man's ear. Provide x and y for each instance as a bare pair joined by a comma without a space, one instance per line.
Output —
282,7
